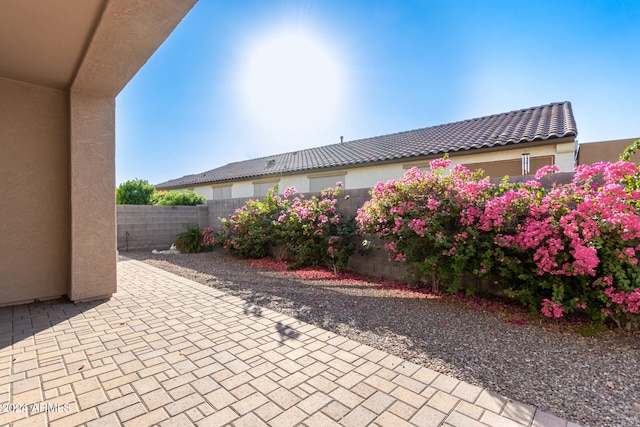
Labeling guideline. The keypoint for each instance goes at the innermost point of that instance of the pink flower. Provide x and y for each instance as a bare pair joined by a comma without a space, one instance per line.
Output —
586,259
418,226
439,163
543,171
433,204
619,170
289,191
582,305
586,172
551,309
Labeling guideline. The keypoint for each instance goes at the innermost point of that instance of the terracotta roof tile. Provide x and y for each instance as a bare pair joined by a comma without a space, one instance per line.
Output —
515,127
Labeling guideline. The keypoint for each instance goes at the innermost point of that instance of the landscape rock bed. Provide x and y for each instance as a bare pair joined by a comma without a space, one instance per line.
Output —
594,381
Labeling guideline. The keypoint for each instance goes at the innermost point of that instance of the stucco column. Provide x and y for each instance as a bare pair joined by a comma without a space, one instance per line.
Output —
93,215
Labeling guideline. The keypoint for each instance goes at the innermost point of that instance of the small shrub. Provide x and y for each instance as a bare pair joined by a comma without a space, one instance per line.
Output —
632,181
312,230
427,221
250,231
190,241
212,238
591,330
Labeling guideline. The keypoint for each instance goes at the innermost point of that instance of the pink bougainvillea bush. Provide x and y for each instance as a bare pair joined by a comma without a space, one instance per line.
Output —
427,220
557,250
312,230
579,244
419,217
250,231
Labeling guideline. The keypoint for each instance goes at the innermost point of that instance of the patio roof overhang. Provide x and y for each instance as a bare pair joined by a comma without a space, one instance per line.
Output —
92,45
62,63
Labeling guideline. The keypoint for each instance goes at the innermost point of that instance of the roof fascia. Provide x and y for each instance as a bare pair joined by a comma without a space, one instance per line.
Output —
332,170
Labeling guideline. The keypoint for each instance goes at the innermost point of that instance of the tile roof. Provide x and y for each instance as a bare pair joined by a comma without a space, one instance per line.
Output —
515,127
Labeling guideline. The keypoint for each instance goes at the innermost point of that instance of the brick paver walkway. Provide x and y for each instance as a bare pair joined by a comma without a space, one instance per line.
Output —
168,351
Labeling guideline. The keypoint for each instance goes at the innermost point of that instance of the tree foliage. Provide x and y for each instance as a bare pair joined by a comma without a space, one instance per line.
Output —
135,192
178,198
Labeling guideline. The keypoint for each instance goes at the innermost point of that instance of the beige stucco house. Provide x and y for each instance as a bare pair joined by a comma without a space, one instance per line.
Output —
62,63
605,151
513,143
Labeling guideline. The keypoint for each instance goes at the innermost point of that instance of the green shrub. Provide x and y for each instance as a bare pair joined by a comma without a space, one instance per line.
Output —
314,231
190,241
212,238
569,248
631,182
135,192
251,231
311,230
424,221
178,198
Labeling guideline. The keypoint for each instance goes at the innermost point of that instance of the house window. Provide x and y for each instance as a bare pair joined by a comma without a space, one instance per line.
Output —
260,189
319,183
221,193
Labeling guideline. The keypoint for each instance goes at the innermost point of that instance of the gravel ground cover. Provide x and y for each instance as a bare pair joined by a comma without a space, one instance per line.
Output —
594,381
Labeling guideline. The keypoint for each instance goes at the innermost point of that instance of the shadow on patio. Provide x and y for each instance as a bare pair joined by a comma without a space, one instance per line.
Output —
166,350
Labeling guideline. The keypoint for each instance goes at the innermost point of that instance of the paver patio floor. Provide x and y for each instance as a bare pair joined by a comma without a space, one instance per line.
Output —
168,351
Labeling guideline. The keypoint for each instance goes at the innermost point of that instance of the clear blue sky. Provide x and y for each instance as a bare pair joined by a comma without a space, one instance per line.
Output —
244,79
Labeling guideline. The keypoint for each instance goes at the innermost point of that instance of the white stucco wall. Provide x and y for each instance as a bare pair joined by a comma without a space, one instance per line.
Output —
369,176
242,189
205,191
245,188
300,182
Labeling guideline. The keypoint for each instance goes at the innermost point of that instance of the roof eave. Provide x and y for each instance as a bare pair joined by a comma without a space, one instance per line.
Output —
358,164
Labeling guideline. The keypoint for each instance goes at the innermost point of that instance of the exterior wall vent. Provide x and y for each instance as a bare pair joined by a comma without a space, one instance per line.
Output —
526,164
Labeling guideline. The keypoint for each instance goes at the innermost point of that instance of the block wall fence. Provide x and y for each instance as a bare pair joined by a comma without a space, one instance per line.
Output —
156,227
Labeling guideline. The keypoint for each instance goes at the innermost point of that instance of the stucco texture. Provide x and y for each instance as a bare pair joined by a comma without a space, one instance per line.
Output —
93,242
34,192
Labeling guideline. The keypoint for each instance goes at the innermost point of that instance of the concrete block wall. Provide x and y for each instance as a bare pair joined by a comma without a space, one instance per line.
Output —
373,263
349,201
223,209
156,227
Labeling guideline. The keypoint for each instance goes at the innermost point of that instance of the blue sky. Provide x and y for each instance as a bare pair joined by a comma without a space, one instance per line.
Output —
245,79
